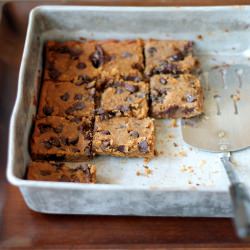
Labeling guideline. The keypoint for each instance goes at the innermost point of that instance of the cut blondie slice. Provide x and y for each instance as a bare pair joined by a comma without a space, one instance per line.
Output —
119,58
55,171
57,138
167,56
179,96
67,99
124,136
124,98
69,61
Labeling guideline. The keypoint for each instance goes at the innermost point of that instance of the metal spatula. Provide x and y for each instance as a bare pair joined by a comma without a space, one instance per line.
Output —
225,127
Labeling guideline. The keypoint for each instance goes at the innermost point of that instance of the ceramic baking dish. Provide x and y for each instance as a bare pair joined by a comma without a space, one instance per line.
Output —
182,181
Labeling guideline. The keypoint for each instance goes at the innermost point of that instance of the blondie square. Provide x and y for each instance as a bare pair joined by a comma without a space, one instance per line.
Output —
67,99
69,61
58,138
120,58
56,171
168,56
124,137
124,98
178,96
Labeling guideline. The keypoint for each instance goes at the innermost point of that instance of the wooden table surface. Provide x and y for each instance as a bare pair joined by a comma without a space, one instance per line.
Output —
21,228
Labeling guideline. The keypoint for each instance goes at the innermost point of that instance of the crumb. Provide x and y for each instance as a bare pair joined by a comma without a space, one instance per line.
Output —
189,182
175,144
197,184
190,148
182,153
173,123
138,173
156,153
200,37
147,170
235,97
170,136
146,160
161,152
187,169
82,38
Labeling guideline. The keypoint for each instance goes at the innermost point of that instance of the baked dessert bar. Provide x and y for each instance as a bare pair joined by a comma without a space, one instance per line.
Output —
120,58
58,138
169,56
124,136
124,98
56,171
67,99
175,96
70,61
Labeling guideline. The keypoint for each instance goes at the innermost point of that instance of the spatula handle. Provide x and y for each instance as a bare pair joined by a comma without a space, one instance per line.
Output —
241,207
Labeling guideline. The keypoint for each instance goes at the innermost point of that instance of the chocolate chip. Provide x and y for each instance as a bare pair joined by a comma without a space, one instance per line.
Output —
165,68
73,141
121,148
75,107
152,50
65,96
105,132
190,98
99,111
54,74
88,136
75,150
143,146
47,144
171,110
177,57
99,57
62,49
78,97
54,141
119,91
59,129
43,127
82,79
188,110
163,81
131,88
47,110
45,172
105,144
87,151
134,134
81,65
138,66
132,78
126,54
123,108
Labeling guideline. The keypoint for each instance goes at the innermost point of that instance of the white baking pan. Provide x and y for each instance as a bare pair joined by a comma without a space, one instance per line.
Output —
182,181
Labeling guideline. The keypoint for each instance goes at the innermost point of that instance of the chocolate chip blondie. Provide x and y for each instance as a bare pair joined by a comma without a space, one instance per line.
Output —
63,172
169,57
70,61
119,58
67,99
58,138
124,136
124,98
175,96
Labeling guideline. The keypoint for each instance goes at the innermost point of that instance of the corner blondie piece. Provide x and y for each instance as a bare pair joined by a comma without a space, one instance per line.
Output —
67,99
124,98
57,138
69,61
179,96
55,171
167,56
120,58
124,136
